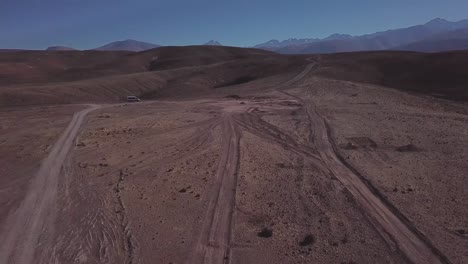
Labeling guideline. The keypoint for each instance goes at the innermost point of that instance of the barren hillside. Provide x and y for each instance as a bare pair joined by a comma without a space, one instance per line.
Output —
439,74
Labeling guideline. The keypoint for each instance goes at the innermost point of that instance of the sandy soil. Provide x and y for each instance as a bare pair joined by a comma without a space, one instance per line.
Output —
27,135
412,149
36,213
308,170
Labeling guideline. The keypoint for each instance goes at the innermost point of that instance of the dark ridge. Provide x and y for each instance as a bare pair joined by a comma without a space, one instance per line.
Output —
443,75
237,81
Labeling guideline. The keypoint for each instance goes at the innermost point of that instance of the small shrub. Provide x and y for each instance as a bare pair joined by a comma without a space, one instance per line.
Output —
234,96
308,240
407,148
266,232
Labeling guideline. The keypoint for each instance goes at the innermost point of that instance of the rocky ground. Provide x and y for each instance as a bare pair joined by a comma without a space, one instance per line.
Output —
308,171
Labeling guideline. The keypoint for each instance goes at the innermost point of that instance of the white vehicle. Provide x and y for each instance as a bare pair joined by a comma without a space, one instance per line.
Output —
132,98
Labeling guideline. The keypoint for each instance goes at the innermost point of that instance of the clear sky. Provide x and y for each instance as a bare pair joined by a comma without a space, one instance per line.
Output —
83,24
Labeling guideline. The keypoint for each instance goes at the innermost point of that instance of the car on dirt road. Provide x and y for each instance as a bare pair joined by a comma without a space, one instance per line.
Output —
132,98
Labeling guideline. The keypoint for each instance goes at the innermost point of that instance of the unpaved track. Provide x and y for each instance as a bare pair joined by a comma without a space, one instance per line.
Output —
416,248
213,245
32,223
386,218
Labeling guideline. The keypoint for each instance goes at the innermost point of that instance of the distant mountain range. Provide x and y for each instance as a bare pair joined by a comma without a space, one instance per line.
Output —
123,45
436,35
276,44
126,45
451,40
59,48
212,43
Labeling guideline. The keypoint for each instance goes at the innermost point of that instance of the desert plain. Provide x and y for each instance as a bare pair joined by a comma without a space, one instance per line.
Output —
233,156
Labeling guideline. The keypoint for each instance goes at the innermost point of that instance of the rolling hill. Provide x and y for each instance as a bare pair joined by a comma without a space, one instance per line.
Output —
43,77
96,76
443,74
128,45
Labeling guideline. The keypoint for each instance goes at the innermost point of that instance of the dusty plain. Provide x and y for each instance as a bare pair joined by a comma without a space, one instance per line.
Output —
293,163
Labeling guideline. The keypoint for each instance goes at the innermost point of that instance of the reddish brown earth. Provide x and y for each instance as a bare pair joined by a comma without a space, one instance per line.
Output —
236,156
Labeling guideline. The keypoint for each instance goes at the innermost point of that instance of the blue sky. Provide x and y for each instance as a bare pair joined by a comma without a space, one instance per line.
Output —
83,24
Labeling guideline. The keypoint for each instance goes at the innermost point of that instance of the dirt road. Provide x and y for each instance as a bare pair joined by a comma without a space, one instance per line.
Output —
406,237
213,245
386,218
32,222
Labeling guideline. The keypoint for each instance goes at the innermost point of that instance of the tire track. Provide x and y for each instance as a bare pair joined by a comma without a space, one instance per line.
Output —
383,215
35,216
410,241
112,239
213,245
190,145
90,233
257,126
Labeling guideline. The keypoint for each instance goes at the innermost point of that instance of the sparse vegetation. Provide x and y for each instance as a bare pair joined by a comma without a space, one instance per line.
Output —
281,165
407,148
344,240
234,96
308,240
265,232
350,146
